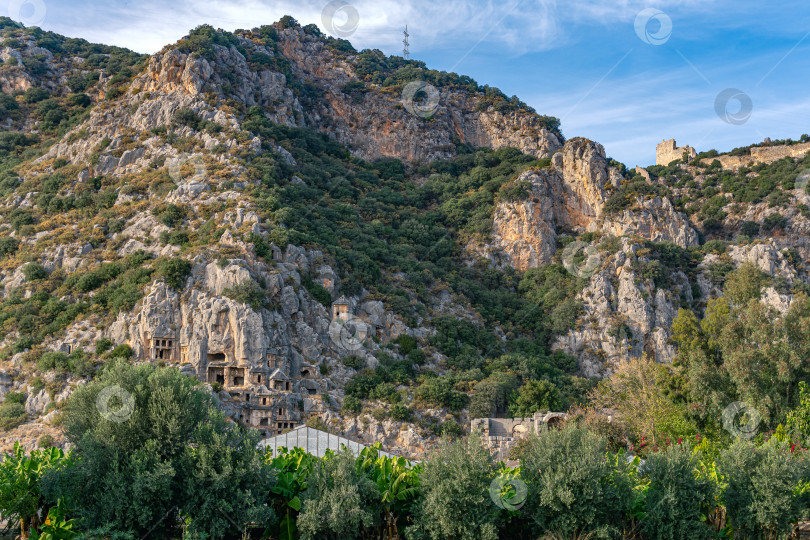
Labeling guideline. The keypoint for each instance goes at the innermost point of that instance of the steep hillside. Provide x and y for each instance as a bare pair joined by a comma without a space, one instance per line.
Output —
300,226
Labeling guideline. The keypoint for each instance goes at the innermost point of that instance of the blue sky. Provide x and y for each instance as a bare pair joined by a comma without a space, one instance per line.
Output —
582,61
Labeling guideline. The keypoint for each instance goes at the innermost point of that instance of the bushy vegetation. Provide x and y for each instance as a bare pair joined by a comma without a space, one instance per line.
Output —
190,472
376,221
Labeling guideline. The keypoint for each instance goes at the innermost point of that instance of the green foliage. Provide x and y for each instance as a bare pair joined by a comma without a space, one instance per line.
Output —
175,271
317,291
352,361
339,501
798,420
764,373
440,392
160,446
676,498
12,414
203,38
170,214
761,495
34,271
534,396
122,351
8,246
352,405
21,497
75,363
406,343
102,345
574,488
625,196
455,484
248,292
490,395
399,412
773,221
744,284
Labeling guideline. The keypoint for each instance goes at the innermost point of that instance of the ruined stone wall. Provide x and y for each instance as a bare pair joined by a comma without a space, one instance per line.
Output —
764,154
500,435
667,151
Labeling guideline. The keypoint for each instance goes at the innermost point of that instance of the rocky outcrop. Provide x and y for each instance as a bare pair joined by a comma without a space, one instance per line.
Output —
572,194
653,219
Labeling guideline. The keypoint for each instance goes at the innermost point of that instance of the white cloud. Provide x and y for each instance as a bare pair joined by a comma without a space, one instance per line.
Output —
519,25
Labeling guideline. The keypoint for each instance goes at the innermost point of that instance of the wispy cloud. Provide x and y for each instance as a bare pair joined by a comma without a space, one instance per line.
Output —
532,25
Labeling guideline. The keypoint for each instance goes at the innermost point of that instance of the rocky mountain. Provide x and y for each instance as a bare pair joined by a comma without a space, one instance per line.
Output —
342,238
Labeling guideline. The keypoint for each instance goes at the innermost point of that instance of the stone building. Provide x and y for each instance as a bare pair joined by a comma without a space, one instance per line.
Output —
501,434
341,309
666,152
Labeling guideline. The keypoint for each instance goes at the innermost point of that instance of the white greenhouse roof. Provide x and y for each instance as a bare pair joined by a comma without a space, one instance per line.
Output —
313,441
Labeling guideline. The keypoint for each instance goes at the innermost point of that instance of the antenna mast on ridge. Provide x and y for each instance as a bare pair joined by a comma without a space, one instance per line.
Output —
405,52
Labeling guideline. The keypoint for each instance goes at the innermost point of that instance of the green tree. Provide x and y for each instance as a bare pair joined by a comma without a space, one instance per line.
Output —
744,284
490,396
761,488
339,502
534,396
573,487
152,449
175,271
676,498
455,484
798,420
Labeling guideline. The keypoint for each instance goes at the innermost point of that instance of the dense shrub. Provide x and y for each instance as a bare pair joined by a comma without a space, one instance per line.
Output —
12,414
33,271
676,498
455,483
247,292
574,486
146,474
122,351
175,271
439,391
760,494
340,501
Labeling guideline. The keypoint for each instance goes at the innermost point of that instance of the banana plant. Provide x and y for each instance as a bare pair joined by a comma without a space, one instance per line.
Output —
293,467
56,526
20,476
398,482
